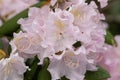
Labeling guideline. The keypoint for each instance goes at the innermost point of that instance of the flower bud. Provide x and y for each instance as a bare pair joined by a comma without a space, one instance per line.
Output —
2,54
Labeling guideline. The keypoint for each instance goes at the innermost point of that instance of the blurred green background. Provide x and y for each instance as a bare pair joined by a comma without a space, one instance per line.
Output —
112,13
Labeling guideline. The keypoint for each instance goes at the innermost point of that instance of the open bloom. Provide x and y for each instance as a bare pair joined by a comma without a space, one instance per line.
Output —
34,26
73,65
35,21
9,8
12,68
54,28
60,33
25,44
53,34
111,60
29,45
92,29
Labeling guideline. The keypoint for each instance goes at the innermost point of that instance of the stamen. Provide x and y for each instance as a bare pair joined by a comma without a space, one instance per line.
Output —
71,61
22,43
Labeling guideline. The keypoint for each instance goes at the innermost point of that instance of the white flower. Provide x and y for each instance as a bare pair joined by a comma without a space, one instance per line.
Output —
111,59
83,13
28,45
59,30
92,29
71,65
35,21
12,68
9,8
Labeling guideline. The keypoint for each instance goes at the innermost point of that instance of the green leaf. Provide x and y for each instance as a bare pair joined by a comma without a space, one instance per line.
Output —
114,28
11,25
100,74
64,78
1,44
44,74
30,74
109,39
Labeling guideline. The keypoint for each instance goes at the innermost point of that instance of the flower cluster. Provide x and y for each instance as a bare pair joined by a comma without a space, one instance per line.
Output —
70,33
12,68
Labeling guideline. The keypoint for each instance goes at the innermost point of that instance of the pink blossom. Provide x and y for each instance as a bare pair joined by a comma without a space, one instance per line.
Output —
60,33
53,33
111,60
29,45
36,20
72,66
12,68
9,8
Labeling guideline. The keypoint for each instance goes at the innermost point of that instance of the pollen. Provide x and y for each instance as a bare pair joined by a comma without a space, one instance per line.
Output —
71,61
20,41
59,24
76,13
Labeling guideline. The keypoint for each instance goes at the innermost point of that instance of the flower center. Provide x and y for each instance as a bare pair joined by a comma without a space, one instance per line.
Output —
59,24
22,43
76,13
71,60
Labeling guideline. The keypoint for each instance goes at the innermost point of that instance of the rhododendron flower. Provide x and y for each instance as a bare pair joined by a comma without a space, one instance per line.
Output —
29,45
114,63
60,33
54,34
12,68
9,8
36,21
26,44
111,60
71,65
86,13
92,33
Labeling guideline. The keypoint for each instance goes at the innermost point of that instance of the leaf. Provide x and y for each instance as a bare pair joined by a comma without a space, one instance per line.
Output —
64,78
30,74
109,39
44,74
114,28
11,25
100,74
